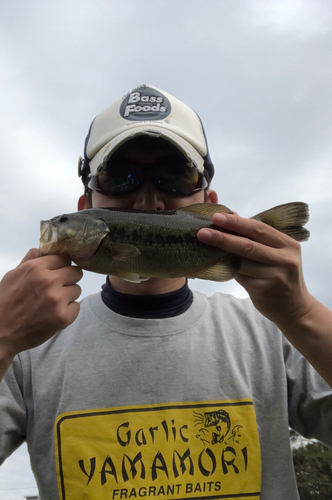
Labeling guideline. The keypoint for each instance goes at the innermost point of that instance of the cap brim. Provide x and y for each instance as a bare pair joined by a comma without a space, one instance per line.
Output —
195,160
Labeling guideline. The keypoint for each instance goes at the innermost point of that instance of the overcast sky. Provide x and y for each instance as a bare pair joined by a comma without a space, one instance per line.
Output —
258,72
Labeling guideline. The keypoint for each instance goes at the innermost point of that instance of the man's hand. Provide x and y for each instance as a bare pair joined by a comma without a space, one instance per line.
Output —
271,266
37,299
271,272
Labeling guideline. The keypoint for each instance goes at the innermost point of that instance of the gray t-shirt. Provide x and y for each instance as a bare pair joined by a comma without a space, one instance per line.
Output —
195,406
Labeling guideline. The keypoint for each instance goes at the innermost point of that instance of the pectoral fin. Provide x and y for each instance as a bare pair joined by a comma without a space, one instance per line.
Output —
123,251
131,277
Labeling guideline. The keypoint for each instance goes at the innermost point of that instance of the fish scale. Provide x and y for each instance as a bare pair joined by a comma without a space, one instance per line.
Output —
162,249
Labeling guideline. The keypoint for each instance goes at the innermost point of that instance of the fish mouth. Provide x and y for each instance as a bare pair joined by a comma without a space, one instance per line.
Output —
48,243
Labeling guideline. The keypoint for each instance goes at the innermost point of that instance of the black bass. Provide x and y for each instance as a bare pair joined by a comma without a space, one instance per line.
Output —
136,245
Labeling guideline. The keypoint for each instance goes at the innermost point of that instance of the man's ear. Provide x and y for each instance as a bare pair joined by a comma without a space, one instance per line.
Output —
211,196
83,202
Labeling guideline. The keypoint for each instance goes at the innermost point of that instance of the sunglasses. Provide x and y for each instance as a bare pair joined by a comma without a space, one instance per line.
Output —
170,175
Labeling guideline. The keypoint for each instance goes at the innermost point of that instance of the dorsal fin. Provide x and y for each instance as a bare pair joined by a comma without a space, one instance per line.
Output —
207,209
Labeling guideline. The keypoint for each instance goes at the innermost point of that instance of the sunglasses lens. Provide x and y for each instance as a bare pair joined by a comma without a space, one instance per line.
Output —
123,177
170,175
177,178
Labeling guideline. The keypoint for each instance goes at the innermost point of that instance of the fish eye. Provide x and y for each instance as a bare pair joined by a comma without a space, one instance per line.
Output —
63,218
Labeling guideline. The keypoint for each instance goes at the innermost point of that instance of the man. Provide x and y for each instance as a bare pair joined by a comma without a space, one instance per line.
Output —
152,390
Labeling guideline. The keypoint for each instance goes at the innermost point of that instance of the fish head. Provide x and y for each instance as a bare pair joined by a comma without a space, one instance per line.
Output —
76,235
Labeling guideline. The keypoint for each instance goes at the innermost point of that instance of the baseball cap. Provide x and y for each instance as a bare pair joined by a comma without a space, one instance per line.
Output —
146,110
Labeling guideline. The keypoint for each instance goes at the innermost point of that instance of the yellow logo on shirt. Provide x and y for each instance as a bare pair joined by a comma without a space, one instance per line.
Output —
173,451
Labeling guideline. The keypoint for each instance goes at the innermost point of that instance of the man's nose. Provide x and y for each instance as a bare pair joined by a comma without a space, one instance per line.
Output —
148,197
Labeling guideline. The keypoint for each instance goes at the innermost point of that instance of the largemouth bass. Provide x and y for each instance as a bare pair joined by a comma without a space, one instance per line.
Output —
136,245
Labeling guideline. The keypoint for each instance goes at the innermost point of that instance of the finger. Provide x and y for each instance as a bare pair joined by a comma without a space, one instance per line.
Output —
70,275
55,261
239,245
48,261
32,254
72,311
72,293
67,313
251,228
77,275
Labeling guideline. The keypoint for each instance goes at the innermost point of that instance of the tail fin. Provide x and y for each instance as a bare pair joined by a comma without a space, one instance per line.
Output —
288,218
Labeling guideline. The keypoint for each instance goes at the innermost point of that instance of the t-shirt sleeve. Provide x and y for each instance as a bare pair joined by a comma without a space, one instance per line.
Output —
309,398
13,414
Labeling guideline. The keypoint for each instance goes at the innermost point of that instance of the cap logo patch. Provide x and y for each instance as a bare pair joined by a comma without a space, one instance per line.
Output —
145,103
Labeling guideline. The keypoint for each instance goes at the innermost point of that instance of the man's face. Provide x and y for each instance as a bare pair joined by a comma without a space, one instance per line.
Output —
146,151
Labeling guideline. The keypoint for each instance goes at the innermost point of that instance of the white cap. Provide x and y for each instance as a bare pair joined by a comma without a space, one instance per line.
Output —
147,110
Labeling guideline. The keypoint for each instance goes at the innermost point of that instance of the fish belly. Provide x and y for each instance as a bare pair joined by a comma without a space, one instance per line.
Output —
170,262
